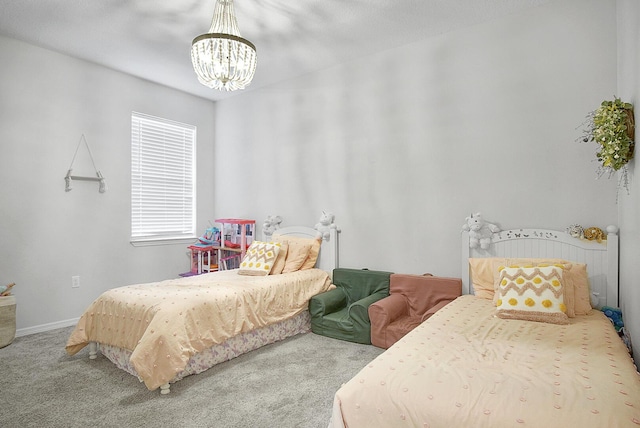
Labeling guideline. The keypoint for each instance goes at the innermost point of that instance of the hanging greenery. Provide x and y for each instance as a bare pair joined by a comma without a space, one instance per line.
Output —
611,126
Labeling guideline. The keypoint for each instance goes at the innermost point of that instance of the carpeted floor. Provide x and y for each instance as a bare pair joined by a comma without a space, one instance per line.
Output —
286,384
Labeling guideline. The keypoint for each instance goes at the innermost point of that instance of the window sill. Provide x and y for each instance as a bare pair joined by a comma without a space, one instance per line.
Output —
163,241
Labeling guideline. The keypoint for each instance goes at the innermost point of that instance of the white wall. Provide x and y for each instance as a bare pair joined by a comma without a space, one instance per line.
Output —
403,145
47,235
629,204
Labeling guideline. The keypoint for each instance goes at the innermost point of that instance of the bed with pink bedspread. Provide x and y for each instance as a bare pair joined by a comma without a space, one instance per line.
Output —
466,368
470,366
164,331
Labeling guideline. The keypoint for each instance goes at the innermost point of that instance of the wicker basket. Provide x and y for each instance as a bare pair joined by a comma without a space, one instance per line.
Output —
631,131
7,320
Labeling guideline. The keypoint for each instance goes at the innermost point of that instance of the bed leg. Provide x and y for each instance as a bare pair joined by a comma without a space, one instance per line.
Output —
164,389
93,350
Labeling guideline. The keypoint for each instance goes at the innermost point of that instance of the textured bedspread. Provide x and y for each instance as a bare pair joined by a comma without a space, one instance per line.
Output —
466,368
165,323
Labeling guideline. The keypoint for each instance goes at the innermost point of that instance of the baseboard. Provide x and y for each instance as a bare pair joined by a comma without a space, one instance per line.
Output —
46,327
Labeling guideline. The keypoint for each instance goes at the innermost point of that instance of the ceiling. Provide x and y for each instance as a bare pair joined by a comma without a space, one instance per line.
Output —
151,39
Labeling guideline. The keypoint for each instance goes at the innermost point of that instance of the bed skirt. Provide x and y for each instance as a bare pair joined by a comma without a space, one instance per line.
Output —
225,351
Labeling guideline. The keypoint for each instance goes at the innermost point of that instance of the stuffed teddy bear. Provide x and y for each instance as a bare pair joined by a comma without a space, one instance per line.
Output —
480,232
270,225
594,234
575,231
325,225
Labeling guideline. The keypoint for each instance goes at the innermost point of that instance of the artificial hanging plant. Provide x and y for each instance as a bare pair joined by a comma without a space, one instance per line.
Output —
612,127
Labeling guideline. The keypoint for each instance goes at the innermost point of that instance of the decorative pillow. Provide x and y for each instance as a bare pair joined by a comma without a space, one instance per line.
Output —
278,265
532,294
577,290
568,290
259,258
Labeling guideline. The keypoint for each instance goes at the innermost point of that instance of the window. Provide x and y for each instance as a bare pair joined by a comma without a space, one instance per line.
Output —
162,179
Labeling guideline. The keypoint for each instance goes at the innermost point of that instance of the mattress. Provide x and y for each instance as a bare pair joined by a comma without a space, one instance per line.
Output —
466,368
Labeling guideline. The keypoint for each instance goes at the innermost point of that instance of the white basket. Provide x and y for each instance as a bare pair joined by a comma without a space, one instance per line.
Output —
7,320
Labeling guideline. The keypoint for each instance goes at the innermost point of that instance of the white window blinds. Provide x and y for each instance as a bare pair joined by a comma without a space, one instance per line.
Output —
162,179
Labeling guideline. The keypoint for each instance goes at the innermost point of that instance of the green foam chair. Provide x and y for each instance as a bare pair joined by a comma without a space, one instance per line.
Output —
342,313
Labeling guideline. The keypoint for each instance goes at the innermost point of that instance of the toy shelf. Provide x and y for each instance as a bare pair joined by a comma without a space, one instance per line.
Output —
237,234
227,251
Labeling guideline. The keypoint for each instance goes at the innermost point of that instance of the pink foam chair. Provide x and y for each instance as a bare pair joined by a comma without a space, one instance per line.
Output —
412,300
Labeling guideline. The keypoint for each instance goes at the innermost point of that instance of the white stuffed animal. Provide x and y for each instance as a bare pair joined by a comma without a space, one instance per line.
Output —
576,231
480,232
270,225
325,225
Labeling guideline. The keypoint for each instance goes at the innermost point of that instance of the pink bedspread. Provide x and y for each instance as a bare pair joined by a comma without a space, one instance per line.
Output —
165,323
466,368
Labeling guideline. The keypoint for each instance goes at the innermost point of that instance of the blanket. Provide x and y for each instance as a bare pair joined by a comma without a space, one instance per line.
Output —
165,323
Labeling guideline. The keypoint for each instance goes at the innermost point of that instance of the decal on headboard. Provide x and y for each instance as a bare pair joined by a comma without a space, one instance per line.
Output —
522,233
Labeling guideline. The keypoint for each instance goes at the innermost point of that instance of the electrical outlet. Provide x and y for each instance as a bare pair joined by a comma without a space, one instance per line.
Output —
75,282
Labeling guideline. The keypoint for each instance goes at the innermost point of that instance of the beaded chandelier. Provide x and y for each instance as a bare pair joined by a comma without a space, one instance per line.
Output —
221,58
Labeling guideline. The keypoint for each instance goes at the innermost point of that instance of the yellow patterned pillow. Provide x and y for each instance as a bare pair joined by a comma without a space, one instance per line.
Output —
532,294
259,258
574,278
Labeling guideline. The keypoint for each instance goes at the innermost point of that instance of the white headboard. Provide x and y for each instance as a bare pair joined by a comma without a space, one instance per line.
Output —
601,258
328,257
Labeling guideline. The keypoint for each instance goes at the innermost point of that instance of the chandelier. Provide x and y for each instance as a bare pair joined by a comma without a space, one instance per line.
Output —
221,58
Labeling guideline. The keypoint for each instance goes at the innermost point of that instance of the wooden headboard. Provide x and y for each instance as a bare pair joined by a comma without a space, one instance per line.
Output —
328,257
601,258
